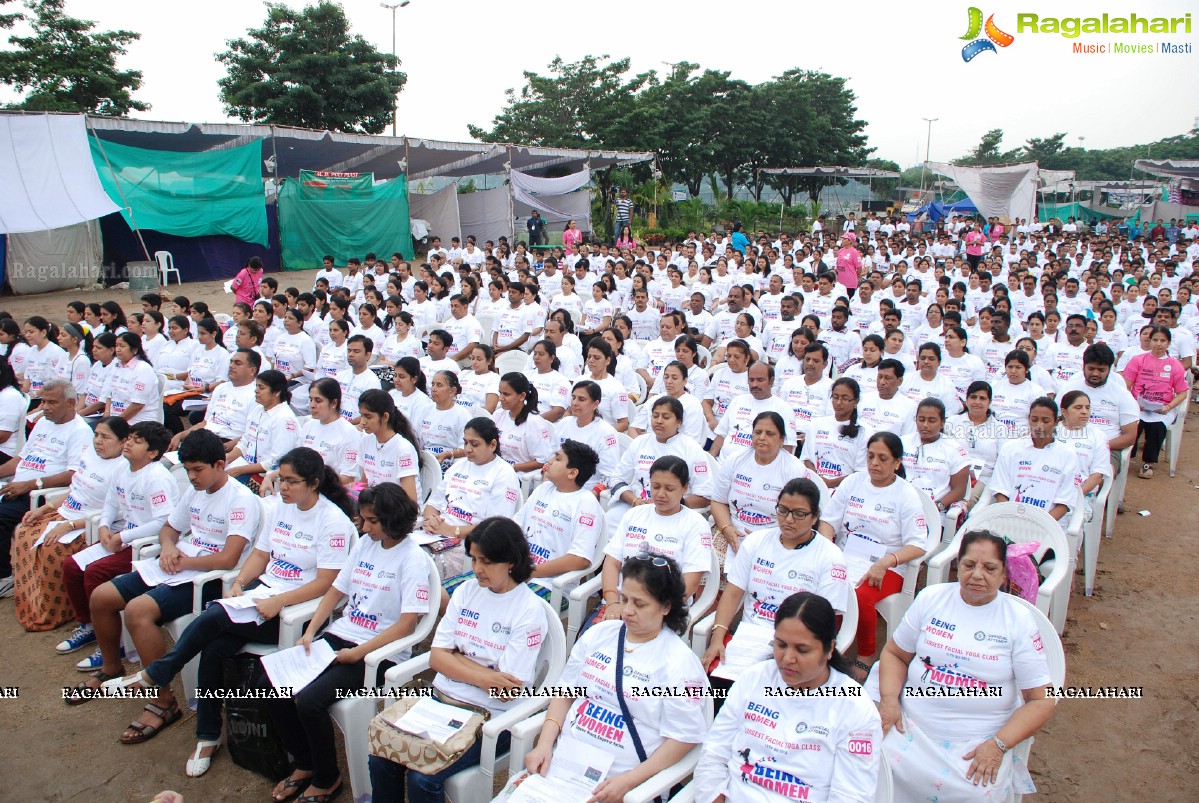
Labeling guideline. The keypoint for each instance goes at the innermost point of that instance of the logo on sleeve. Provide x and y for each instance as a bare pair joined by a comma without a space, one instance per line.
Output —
534,638
237,516
861,743
511,495
337,542
158,499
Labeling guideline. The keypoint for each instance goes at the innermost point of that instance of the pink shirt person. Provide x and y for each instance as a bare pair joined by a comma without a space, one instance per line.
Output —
849,262
245,284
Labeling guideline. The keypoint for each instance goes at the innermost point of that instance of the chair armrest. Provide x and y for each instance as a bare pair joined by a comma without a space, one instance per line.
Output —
47,496
686,794
198,584
661,783
376,657
493,727
585,590
524,735
141,547
406,672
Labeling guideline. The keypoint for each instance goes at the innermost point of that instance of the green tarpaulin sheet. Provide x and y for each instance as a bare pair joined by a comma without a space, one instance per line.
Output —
186,194
342,221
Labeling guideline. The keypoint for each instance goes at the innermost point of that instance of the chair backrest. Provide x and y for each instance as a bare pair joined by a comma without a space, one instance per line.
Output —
510,361
487,322
164,259
623,441
708,592
704,358
1020,523
552,658
849,623
430,476
642,390
932,519
1055,654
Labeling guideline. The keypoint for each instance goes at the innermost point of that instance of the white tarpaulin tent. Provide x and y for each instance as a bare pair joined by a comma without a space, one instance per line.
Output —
1005,191
58,259
488,216
47,177
439,210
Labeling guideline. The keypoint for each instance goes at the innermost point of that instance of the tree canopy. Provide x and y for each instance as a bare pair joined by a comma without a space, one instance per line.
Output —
66,66
1107,164
304,69
701,122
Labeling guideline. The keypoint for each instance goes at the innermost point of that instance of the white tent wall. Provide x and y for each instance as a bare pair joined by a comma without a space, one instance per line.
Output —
576,205
1005,191
58,259
485,214
440,210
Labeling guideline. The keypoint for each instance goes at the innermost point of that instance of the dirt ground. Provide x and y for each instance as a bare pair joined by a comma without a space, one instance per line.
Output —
1110,750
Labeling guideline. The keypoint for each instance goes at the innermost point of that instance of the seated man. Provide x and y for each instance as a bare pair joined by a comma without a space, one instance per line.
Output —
220,518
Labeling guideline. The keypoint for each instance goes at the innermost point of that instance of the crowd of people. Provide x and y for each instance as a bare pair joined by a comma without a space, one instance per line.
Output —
769,414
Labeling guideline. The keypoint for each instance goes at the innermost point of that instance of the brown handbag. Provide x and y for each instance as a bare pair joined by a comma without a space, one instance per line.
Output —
419,753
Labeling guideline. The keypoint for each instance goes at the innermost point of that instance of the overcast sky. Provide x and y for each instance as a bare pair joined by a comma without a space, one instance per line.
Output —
903,60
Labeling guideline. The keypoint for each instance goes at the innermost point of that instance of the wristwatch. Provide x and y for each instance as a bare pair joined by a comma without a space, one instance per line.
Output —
999,743
40,483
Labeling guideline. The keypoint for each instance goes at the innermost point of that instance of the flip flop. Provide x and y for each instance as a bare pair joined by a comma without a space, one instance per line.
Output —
325,798
292,787
144,732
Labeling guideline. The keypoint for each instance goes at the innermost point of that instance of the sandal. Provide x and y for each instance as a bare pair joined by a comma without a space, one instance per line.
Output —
1146,472
84,692
292,787
143,732
134,681
197,765
326,797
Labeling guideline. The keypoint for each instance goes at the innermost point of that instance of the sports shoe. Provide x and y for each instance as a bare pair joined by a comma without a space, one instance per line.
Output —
80,637
6,586
94,661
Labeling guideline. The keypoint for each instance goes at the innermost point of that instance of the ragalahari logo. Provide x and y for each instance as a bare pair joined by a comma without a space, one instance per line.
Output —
993,37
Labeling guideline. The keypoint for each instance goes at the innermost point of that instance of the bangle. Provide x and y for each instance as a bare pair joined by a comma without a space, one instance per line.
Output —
896,556
238,582
556,722
999,743
719,627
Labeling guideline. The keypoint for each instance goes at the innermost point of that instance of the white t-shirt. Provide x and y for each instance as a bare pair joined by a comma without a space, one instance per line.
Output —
416,407
336,442
209,519
1112,406
1066,361
553,390
752,491
684,536
500,631
1090,446
957,645
89,484
726,386
637,460
982,441
176,357
208,365
768,749
558,524
614,399
302,541
464,330
1011,403
737,425
871,522
135,382
601,437
807,402
470,493
389,462
961,371
866,377
13,407
269,435
95,390
229,409
897,414
42,365
295,354
382,585
520,443
442,430
53,448
695,425
929,466
75,371
352,387
477,387
831,453
1039,477
138,502
666,662
940,387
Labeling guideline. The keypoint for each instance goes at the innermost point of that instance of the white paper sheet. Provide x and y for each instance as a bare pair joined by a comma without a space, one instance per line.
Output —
242,609
433,720
575,770
64,539
152,573
750,644
423,538
92,554
294,668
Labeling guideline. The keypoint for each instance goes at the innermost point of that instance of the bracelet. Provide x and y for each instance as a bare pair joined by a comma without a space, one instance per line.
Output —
238,582
556,722
999,743
896,556
719,627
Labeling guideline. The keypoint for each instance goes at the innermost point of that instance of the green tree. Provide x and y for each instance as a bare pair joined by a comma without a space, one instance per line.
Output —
304,69
66,66
883,187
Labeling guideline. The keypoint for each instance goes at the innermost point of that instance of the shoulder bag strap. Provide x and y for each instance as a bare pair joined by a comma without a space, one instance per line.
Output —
624,707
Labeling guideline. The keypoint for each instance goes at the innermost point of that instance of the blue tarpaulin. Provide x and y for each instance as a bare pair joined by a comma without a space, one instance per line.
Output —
937,210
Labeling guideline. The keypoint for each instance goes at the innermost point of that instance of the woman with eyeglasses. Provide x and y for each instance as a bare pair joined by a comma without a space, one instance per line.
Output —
835,445
947,746
771,564
664,526
643,650
879,522
937,465
327,433
796,727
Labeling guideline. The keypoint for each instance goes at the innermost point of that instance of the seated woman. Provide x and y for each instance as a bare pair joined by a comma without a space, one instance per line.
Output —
388,589
94,392
475,669
526,437
271,432
481,384
1036,468
830,740
332,358
644,650
686,351
327,433
771,565
1012,393
835,445
388,451
938,466
209,367
744,496
132,385
294,354
1088,442
674,382
879,521
411,391
553,389
728,381
584,425
955,747
562,519
1157,380
601,368
981,433
663,526
38,588
664,438
299,552
441,433
475,486
865,373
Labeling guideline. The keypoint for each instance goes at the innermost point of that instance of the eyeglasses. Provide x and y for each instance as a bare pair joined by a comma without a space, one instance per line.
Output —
656,560
781,513
289,481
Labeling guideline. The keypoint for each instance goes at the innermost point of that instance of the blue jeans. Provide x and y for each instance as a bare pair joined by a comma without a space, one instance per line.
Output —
387,778
214,638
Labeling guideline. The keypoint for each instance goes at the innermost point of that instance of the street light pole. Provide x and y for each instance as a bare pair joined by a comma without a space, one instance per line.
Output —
928,144
395,113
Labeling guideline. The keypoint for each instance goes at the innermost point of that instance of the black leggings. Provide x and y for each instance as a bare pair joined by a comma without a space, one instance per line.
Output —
1155,436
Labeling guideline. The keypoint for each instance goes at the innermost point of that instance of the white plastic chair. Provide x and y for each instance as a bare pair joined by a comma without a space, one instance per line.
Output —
511,362
704,357
563,581
353,714
642,390
1020,523
892,608
524,735
487,322
1055,655
430,476
166,266
1174,434
474,785
1121,460
1092,537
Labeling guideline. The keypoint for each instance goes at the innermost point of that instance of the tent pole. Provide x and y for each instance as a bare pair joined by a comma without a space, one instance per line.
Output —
511,200
117,183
